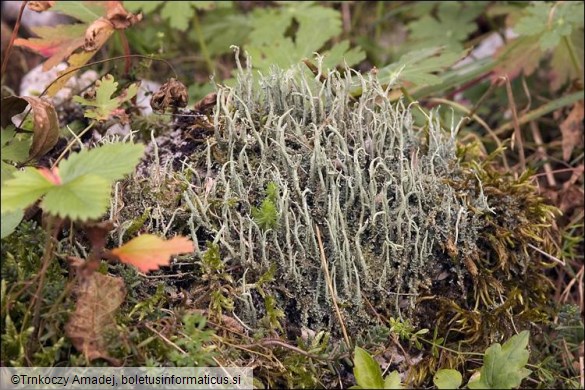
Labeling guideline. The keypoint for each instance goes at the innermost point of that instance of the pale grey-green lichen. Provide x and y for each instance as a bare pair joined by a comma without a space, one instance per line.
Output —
360,170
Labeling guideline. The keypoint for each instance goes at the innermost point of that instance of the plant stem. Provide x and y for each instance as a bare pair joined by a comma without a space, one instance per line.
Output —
202,44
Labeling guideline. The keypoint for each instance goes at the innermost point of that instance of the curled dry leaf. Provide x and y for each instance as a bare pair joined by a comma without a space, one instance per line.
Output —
40,6
148,252
98,298
119,17
206,104
572,130
173,94
97,34
45,121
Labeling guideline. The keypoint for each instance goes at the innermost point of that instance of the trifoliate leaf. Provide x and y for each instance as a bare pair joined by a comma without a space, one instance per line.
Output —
104,104
79,188
23,189
148,252
503,366
85,197
447,379
110,161
366,370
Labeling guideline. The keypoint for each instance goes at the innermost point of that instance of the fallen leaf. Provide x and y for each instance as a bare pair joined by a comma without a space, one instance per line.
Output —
148,252
45,121
98,298
572,130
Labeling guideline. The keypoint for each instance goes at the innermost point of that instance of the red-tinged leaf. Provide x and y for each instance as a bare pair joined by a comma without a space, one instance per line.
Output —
52,175
148,252
46,122
60,43
57,42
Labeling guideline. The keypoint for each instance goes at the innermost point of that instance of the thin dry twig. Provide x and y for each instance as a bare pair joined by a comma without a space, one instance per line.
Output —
517,132
12,38
330,287
550,178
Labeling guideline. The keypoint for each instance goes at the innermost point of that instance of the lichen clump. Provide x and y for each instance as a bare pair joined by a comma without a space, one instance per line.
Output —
407,224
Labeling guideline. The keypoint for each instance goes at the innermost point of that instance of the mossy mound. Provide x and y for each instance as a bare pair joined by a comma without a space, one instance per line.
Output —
413,225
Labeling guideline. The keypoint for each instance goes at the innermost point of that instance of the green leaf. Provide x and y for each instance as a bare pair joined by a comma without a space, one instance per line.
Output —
392,381
447,379
14,148
10,221
23,189
454,22
81,185
110,161
269,44
104,103
503,366
341,54
550,24
145,6
418,67
366,370
222,28
83,198
85,11
178,13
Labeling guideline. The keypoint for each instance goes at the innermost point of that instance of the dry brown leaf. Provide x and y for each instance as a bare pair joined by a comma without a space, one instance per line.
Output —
572,130
40,6
97,34
173,94
45,121
119,17
206,104
98,298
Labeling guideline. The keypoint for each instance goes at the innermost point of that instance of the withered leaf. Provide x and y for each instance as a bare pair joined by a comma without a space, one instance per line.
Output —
173,94
45,121
207,103
40,6
98,298
97,34
572,130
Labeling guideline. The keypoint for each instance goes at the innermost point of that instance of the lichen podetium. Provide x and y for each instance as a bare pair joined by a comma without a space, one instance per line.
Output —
410,222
